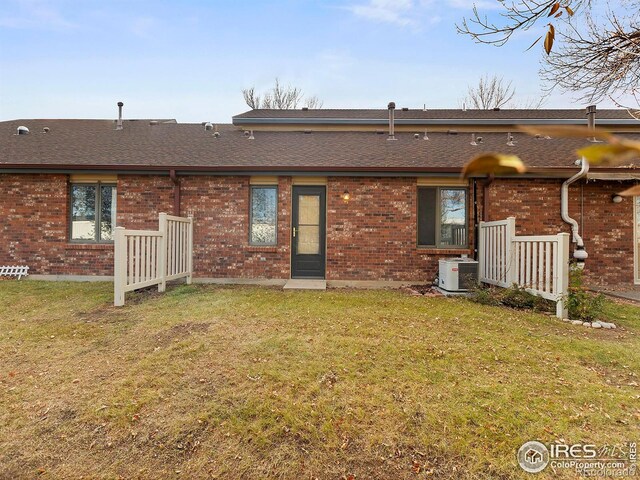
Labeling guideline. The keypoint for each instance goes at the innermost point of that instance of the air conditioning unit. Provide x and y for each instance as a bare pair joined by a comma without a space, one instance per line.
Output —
457,274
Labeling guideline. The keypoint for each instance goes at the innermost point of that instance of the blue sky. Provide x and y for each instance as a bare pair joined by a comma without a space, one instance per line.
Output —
189,60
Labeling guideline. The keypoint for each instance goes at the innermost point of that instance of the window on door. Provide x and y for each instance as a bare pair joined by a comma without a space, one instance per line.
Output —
442,217
263,215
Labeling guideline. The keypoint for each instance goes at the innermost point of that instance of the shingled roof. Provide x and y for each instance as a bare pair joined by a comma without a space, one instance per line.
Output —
96,144
433,116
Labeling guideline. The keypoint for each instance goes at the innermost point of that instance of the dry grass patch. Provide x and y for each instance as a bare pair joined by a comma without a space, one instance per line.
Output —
244,382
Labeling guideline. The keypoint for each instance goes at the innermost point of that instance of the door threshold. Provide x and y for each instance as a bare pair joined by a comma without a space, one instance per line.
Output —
305,284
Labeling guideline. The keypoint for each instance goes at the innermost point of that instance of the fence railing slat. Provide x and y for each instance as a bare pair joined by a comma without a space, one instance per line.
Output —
143,258
538,263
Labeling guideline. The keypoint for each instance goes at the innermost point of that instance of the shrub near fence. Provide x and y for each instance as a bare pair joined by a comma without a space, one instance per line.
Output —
538,263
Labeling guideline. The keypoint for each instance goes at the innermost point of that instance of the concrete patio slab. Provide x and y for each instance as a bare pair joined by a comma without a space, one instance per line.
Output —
305,284
633,295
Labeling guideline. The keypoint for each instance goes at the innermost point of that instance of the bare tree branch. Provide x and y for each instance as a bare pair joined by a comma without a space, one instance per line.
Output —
595,55
491,92
250,98
520,15
279,97
597,60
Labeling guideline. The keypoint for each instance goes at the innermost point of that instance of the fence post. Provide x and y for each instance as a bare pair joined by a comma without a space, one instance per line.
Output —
562,271
119,266
190,251
510,271
162,254
481,252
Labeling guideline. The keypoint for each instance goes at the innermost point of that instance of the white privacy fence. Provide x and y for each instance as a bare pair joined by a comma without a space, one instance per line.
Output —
538,263
143,258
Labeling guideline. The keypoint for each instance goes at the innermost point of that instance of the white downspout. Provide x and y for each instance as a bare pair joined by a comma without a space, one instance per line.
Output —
580,253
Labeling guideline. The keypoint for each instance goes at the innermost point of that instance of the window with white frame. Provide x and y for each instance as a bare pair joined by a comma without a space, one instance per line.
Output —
263,219
442,217
93,212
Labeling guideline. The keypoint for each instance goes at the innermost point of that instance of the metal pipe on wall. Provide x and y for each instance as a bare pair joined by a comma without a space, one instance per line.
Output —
176,192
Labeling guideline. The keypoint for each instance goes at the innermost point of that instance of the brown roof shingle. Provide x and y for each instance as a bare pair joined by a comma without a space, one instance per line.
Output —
96,143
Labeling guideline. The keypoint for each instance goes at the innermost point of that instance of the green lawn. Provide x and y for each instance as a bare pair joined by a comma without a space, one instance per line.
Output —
249,382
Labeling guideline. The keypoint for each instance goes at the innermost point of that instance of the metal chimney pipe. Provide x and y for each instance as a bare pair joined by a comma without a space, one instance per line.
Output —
392,109
119,124
591,117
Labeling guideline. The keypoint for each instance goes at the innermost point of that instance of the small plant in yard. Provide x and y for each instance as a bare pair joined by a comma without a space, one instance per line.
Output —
582,304
484,296
513,297
518,297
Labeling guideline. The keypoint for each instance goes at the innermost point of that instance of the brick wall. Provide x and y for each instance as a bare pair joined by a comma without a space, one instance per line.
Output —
34,229
371,237
605,227
141,198
220,206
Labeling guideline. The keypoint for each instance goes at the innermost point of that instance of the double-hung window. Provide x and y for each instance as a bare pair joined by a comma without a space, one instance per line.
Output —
93,212
263,219
442,217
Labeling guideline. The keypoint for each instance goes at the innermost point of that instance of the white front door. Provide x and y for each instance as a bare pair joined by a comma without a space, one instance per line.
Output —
636,238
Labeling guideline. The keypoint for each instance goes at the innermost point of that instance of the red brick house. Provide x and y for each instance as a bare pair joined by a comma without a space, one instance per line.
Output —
306,193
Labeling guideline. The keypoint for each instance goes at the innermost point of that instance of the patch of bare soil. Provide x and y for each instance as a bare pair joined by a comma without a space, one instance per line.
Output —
142,295
426,290
179,332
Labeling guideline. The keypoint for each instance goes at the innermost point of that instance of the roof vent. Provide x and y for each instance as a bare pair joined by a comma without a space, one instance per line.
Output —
496,109
510,142
22,130
380,132
153,122
416,136
119,123
251,137
45,130
405,109
208,126
216,133
473,139
479,140
452,132
426,137
307,132
305,109
392,108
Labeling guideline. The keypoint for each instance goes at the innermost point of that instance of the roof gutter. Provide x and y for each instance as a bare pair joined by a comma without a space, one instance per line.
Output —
534,172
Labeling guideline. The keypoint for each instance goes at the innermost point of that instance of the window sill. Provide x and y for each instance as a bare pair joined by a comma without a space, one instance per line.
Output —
262,248
89,246
445,251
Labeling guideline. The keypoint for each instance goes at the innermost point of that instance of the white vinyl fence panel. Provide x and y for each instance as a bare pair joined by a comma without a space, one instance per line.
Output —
143,258
14,271
538,263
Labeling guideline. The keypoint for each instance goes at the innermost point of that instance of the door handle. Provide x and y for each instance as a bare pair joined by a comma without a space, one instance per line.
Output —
294,232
